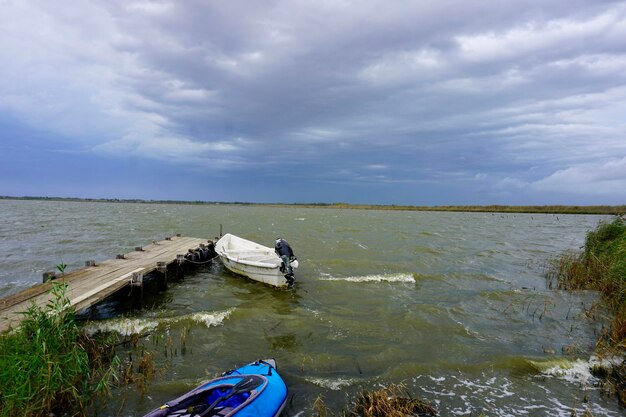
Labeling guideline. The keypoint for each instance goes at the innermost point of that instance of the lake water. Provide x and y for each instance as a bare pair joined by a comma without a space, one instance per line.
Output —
453,305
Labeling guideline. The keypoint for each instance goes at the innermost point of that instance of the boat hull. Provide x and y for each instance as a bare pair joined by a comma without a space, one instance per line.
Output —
266,399
251,260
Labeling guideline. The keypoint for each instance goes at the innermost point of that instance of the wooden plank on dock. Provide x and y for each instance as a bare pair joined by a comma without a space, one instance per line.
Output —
89,285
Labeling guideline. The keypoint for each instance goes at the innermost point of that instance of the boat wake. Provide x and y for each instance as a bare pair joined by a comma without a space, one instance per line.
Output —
129,326
373,278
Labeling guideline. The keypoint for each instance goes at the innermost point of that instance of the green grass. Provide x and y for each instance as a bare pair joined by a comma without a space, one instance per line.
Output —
600,266
48,365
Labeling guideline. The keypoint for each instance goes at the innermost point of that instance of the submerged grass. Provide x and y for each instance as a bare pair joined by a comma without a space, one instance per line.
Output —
48,365
601,266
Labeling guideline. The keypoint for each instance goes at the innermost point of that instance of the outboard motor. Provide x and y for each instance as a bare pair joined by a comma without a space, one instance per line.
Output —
285,253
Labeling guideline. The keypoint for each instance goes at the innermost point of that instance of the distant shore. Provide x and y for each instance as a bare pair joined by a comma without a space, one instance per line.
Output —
601,210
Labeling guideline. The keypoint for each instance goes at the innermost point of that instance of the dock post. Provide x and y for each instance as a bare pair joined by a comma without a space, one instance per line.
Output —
180,266
211,248
162,276
137,282
48,276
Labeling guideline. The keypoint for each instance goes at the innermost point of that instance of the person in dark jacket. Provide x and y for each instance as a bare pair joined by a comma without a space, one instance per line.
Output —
285,253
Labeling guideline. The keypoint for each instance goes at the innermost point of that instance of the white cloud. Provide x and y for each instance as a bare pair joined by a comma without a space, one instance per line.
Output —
508,183
594,178
181,94
317,135
601,65
173,149
242,64
510,78
531,38
568,130
150,7
58,60
399,67
480,176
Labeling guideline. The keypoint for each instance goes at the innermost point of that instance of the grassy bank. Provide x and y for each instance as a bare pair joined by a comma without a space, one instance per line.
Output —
48,365
601,266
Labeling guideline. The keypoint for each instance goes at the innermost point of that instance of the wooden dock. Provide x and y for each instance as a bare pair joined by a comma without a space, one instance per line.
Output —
93,283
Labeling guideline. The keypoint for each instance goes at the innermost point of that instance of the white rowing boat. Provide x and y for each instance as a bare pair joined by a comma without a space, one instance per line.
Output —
247,258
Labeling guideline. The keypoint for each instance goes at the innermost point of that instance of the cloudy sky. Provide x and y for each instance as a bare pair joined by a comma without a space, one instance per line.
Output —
385,102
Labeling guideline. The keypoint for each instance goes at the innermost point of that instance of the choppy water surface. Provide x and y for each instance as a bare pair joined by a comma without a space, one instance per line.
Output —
453,305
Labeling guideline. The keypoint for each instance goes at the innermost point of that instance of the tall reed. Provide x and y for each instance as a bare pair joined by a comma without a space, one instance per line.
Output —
600,266
48,365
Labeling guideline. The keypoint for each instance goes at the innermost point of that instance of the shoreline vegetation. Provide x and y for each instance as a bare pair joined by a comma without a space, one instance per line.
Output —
49,366
537,209
601,266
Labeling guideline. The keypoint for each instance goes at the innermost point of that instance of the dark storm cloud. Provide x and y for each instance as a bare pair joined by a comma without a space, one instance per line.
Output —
464,101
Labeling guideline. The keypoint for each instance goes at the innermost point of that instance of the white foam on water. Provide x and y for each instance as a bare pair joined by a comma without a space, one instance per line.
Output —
467,390
575,371
373,278
123,326
332,384
571,371
211,319
130,326
499,397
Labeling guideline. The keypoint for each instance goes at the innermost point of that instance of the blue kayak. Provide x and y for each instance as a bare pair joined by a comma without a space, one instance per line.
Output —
254,390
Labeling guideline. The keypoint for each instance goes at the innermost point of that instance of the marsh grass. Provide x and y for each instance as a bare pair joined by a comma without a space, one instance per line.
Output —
48,365
390,401
601,266
139,372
